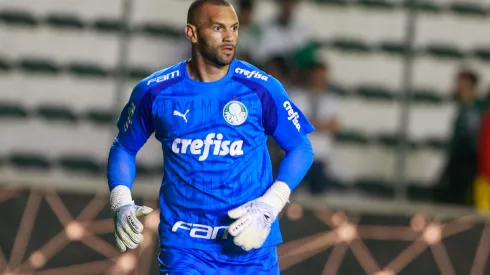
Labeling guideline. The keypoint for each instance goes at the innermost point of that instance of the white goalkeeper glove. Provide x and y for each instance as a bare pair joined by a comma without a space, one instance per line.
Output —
254,218
127,227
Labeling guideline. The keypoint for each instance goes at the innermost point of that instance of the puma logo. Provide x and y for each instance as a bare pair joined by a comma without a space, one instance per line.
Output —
177,113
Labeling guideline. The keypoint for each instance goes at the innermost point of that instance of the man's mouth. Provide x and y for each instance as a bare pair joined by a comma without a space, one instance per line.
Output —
228,49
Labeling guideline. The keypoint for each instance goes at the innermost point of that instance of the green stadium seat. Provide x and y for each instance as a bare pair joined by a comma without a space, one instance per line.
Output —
5,65
39,66
18,18
413,145
482,53
109,26
333,2
143,170
375,93
444,51
80,164
393,48
468,9
64,21
427,97
339,90
29,161
416,191
435,144
351,137
391,140
87,70
56,113
376,187
12,110
350,45
376,4
386,140
159,30
100,117
424,6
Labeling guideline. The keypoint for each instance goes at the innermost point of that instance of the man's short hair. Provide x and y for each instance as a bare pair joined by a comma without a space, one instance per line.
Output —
195,7
246,4
283,1
322,65
469,74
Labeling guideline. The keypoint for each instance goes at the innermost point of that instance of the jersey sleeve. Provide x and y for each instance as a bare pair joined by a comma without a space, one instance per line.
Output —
285,122
282,119
135,124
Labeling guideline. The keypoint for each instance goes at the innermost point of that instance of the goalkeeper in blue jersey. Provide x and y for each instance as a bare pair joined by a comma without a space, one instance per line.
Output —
212,114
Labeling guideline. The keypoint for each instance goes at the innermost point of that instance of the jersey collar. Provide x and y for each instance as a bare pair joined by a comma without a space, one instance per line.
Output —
228,76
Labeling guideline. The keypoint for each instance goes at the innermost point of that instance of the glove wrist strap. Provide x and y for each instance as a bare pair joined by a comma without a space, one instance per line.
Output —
278,195
120,196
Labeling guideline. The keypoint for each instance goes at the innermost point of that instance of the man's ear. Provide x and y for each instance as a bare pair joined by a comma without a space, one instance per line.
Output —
191,33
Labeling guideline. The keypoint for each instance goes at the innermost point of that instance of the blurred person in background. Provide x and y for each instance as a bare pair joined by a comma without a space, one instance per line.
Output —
481,187
321,107
249,31
284,34
459,173
278,67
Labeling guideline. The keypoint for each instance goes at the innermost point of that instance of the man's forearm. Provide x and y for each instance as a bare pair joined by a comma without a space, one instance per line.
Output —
296,164
121,168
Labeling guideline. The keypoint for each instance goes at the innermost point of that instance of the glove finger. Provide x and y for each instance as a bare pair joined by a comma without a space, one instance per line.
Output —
120,244
243,238
143,211
246,248
135,237
261,237
125,238
238,212
239,225
248,240
134,223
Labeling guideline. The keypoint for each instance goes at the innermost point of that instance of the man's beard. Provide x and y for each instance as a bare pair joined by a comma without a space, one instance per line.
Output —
212,54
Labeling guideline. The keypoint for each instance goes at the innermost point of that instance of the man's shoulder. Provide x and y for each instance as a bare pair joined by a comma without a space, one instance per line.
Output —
251,75
167,75
160,79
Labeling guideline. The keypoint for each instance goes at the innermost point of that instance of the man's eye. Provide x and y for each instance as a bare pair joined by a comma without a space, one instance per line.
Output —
235,28
217,28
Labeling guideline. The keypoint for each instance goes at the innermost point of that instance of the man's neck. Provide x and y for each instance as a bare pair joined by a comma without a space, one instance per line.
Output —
201,70
468,100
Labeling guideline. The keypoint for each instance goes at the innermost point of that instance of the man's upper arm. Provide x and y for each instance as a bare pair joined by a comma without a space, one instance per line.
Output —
282,119
135,123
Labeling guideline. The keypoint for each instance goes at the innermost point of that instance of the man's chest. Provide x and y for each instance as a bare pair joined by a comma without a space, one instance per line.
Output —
229,112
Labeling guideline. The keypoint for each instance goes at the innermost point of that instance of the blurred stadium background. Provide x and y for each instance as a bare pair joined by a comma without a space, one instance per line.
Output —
67,67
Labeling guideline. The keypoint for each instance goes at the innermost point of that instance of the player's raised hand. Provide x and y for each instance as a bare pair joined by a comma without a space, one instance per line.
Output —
127,227
254,219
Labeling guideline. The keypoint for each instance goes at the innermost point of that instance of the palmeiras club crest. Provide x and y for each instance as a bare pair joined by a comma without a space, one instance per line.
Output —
235,113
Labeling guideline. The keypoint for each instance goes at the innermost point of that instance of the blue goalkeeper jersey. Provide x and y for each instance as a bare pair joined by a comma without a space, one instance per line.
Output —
213,137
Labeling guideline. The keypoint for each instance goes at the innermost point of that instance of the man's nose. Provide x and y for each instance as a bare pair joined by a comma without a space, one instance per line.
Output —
228,36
